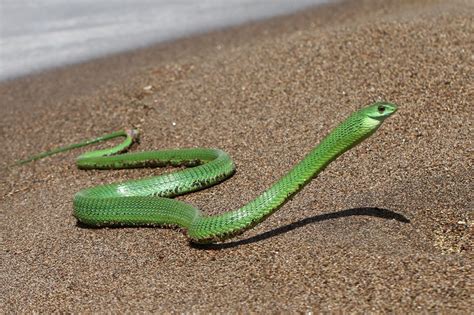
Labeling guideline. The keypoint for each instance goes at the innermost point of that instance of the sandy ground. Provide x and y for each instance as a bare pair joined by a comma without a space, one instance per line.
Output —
388,226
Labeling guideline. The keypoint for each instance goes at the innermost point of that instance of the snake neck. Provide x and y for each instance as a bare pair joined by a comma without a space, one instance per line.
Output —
347,135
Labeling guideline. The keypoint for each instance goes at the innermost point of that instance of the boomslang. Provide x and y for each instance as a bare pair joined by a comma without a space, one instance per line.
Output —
148,201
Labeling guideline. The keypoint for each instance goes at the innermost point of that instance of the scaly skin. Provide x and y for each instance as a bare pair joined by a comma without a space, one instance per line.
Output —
147,201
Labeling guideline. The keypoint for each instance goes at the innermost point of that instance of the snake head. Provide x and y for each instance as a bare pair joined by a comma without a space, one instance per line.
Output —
380,110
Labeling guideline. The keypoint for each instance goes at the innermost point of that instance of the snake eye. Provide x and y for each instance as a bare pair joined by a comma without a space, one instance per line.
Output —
381,109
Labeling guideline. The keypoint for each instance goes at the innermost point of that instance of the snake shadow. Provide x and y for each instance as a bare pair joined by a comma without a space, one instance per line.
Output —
367,211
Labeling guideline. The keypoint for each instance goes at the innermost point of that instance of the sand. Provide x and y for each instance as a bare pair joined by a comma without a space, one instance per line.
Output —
386,227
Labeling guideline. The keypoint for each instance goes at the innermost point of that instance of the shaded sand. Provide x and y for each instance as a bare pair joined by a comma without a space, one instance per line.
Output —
386,227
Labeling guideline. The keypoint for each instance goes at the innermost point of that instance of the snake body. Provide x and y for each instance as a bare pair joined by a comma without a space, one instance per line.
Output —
149,201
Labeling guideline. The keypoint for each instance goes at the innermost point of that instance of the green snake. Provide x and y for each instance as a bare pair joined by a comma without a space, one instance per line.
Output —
149,201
